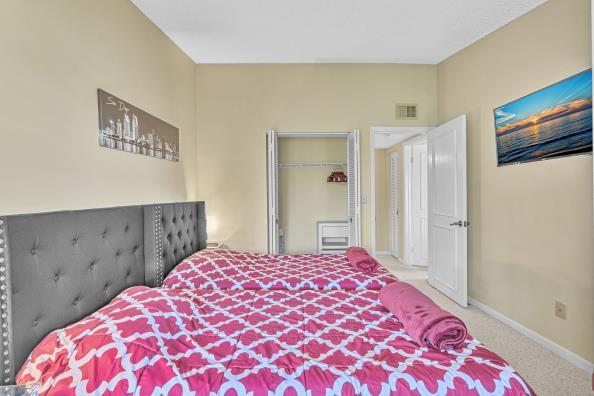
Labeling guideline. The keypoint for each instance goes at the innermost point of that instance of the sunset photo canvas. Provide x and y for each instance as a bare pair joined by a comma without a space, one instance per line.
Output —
555,121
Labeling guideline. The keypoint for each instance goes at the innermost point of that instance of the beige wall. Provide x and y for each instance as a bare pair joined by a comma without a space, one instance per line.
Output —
58,54
238,103
530,241
305,197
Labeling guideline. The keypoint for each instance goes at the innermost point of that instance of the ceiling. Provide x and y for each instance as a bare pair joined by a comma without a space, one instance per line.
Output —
385,140
328,31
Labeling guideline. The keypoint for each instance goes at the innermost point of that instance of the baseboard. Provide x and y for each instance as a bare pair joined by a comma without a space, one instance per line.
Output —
382,253
534,336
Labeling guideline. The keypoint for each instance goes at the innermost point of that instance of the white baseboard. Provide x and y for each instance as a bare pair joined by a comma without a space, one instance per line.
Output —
382,253
534,336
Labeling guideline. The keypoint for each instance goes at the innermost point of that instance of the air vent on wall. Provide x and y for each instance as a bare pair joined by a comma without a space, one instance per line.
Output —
407,111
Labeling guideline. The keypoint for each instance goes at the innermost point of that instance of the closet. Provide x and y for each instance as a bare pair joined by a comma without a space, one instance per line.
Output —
313,191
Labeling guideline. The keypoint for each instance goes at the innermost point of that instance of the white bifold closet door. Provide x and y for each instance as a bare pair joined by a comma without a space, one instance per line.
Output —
394,224
273,223
354,189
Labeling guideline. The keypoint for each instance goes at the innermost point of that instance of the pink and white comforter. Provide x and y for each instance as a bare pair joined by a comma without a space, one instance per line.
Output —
256,342
225,269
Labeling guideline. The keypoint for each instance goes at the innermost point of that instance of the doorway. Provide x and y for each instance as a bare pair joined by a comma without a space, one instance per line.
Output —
391,223
435,211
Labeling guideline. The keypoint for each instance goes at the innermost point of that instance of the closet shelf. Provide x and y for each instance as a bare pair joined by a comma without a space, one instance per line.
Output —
313,165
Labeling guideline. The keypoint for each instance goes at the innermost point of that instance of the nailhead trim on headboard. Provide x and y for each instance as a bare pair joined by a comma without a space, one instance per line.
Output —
4,308
159,245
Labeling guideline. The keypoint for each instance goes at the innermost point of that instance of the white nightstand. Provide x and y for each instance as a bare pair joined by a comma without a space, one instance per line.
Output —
333,237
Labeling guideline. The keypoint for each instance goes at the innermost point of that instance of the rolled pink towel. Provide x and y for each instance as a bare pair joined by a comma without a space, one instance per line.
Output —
361,260
423,320
357,249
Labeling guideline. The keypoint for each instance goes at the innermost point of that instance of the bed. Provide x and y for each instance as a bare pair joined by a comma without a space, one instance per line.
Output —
257,342
75,309
227,269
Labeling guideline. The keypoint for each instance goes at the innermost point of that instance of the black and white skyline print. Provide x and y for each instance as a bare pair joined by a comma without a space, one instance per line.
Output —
125,127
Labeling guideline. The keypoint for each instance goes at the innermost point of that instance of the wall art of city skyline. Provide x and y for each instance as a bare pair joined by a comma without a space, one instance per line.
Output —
125,127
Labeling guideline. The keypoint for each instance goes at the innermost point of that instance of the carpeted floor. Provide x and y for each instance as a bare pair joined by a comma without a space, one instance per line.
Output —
546,372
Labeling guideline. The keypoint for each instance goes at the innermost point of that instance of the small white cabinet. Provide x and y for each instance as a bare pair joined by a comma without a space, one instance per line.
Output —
333,237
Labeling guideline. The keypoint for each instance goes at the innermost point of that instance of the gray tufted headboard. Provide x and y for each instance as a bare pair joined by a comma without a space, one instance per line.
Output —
173,232
56,268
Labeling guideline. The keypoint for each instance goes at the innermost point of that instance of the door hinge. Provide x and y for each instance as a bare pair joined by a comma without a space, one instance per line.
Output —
466,223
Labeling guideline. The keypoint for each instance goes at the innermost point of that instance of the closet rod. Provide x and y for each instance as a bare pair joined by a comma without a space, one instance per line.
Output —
313,165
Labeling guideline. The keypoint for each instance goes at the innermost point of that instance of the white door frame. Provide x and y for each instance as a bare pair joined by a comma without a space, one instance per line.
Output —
407,204
372,133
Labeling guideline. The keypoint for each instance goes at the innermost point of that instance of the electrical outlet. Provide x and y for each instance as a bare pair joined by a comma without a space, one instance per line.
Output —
560,310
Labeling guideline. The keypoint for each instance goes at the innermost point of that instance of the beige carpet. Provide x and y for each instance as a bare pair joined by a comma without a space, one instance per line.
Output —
546,372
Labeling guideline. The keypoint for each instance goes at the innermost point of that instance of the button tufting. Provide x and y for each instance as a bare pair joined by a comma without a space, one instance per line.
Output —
117,253
127,228
34,251
35,323
104,234
75,302
56,277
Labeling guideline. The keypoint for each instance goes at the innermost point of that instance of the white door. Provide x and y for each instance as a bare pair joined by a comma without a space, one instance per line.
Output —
394,224
446,152
273,223
354,190
420,248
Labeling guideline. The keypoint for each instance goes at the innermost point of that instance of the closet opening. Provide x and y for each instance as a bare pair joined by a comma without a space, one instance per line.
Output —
313,192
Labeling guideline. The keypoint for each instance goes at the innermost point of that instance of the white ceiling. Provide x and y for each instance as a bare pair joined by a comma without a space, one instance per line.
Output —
328,31
385,140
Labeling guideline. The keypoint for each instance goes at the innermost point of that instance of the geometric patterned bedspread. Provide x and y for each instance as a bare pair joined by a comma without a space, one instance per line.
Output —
256,342
225,269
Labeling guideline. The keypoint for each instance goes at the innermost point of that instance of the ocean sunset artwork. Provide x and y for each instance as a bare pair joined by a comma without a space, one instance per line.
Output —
553,122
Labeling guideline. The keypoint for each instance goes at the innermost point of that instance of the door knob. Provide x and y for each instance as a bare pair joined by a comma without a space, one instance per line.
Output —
457,223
